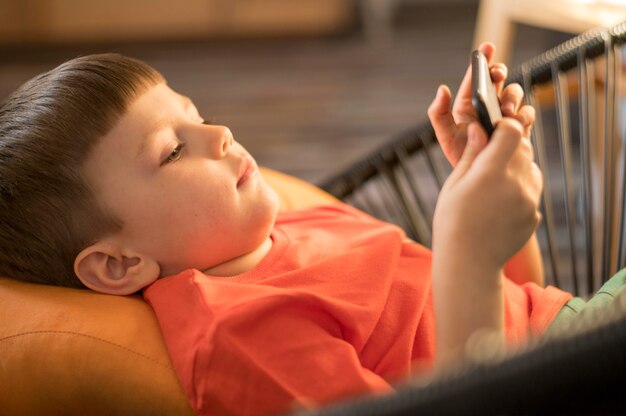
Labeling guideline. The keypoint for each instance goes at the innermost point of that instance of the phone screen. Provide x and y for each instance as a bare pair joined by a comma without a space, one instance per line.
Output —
484,94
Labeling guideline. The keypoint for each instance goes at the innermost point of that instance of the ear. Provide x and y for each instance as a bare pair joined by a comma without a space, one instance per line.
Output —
105,267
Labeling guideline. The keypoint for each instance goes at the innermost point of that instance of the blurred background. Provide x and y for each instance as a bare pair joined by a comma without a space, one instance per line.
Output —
308,86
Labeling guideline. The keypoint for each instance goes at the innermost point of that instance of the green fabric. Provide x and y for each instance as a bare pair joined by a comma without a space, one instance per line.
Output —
598,303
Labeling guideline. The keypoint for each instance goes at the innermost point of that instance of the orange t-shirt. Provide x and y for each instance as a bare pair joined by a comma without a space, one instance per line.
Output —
341,305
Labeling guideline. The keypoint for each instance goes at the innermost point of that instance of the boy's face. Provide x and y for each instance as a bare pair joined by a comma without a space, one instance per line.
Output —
188,195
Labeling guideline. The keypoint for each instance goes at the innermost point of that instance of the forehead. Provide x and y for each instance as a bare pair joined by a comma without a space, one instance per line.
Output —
155,101
150,112
121,142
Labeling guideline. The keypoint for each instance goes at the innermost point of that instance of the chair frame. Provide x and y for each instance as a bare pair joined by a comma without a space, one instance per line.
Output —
582,369
401,199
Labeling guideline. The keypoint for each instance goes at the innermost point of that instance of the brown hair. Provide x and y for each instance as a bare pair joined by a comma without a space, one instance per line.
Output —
48,213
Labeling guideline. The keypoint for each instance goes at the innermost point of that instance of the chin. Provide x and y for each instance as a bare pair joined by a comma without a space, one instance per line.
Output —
271,201
267,215
272,211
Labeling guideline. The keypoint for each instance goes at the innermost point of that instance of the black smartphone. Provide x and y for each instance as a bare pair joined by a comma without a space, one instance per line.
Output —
484,94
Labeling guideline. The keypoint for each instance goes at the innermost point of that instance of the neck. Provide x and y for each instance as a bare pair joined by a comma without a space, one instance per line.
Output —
242,263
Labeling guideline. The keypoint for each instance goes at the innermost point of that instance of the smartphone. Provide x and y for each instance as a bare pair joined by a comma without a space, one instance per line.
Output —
484,94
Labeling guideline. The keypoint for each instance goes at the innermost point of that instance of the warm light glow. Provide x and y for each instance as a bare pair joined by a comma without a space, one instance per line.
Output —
604,12
618,3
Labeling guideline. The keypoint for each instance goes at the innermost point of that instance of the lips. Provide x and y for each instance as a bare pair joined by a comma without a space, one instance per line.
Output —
247,169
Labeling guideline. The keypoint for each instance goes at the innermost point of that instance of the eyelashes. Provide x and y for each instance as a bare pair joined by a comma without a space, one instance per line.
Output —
175,155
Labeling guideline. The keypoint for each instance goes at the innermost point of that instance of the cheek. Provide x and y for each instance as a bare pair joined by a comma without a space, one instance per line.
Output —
202,206
155,214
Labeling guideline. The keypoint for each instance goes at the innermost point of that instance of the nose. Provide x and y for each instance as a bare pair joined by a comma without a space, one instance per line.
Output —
217,139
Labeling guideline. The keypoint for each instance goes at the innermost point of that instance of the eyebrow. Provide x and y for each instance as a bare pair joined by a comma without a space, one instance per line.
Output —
147,137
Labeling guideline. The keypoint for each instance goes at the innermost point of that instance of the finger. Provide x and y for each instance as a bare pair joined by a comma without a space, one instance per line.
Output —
476,142
527,149
526,116
439,113
511,99
488,49
505,140
498,73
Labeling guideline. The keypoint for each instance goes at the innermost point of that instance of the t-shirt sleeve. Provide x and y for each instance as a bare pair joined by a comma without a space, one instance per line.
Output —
529,309
263,355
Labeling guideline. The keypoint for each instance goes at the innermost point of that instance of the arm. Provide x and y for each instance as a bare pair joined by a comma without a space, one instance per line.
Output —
451,128
527,264
472,240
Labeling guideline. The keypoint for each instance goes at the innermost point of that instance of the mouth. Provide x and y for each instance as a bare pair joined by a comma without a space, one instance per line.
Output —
247,169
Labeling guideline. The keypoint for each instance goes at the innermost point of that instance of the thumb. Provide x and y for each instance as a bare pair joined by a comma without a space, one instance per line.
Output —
439,114
476,142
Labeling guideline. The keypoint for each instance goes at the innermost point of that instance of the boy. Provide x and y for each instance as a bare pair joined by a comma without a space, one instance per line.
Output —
112,181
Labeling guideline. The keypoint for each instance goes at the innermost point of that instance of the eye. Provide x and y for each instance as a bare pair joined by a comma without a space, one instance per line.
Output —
175,155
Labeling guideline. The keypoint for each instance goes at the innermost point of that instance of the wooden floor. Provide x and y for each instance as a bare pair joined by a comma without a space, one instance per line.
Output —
307,106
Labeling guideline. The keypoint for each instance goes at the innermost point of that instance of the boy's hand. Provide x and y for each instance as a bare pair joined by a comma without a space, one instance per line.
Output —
488,207
451,125
486,211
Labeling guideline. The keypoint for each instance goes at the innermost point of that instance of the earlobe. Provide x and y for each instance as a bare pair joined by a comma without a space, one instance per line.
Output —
105,268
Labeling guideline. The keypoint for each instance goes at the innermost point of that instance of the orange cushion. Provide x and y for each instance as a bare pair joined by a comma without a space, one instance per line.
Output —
69,351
